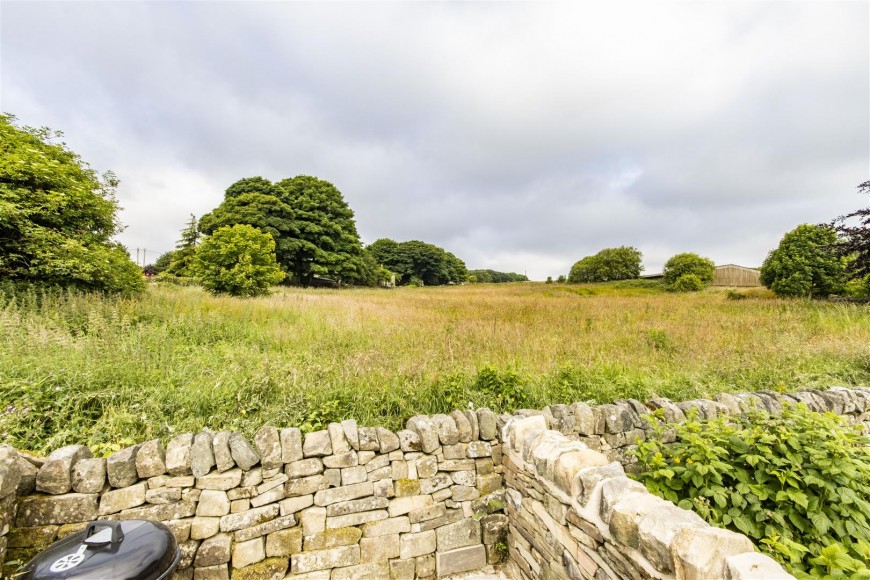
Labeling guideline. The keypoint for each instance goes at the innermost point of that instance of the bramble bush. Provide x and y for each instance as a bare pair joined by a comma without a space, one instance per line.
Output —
797,484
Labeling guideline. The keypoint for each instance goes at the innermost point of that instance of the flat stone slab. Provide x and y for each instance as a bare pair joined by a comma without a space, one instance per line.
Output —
461,560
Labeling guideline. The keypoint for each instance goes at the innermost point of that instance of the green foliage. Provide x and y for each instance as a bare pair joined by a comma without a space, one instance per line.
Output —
854,238
858,288
57,216
493,277
549,280
504,387
688,263
327,243
797,483
237,260
687,283
161,264
415,260
622,263
181,262
561,279
805,263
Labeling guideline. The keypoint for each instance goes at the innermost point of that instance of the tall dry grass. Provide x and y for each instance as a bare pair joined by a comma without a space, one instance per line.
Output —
86,368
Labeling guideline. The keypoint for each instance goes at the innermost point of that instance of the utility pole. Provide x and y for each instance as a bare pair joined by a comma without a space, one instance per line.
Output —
144,259
137,256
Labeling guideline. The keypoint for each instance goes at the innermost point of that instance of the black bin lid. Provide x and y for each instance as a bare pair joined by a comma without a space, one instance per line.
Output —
130,550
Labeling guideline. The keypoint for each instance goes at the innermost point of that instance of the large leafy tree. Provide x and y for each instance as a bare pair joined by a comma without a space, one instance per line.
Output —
58,216
805,263
853,231
432,265
494,277
257,202
622,263
237,260
327,242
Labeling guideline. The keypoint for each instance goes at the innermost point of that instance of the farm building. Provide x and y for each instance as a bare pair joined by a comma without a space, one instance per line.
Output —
726,275
733,275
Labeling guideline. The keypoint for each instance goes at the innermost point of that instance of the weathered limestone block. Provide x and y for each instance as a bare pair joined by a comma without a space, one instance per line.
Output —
339,441
172,511
458,535
214,503
305,485
403,569
317,444
460,493
460,560
426,467
456,465
463,426
291,445
59,509
253,517
265,528
55,475
313,520
355,519
388,440
433,484
568,464
304,468
448,434
409,441
284,543
699,554
628,513
357,505
39,537
427,513
518,430
220,572
478,449
754,566
341,460
332,538
406,487
180,529
23,471
202,454
486,420
346,493
123,499
364,570
351,433
615,489
388,527
454,451
270,568
293,505
150,459
204,527
587,478
672,413
325,559
467,478
403,505
163,495
426,430
487,484
220,480
471,417
419,544
243,453
89,475
247,553
380,548
222,455
178,455
658,528
368,439
214,551
494,528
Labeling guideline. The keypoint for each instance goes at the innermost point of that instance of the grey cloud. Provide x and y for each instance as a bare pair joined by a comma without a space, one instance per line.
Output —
520,136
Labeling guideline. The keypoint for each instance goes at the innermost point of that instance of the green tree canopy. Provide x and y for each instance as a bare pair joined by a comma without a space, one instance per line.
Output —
58,216
432,265
622,263
494,277
805,263
689,263
854,238
237,260
181,263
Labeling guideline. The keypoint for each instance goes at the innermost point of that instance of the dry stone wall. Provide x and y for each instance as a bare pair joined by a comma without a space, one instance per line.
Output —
448,494
344,502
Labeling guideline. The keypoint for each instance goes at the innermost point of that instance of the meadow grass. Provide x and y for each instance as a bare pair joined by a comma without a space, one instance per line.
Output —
79,368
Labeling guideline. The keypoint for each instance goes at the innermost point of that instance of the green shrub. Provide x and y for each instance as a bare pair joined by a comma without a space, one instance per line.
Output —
237,260
805,263
687,283
688,263
858,288
798,484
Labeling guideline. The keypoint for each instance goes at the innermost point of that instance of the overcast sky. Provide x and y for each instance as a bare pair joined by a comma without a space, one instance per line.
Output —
519,136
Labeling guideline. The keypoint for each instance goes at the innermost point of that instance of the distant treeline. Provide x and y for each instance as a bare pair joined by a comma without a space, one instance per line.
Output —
493,277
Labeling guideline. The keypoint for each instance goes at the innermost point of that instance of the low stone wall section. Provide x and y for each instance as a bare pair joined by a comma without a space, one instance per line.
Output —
574,514
344,502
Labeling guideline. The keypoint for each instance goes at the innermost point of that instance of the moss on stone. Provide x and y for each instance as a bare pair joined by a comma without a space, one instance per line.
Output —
265,570
36,537
333,538
407,487
284,542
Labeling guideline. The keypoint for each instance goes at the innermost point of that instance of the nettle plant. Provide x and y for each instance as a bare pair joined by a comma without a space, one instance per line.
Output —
797,483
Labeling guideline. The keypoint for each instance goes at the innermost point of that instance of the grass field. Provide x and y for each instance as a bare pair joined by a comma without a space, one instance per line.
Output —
78,368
